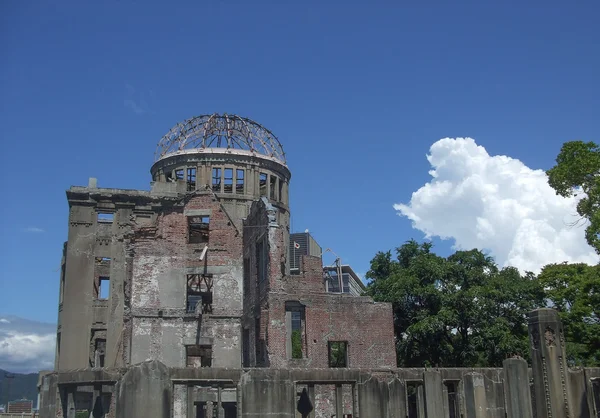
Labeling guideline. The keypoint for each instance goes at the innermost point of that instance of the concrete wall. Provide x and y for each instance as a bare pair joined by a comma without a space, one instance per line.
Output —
152,389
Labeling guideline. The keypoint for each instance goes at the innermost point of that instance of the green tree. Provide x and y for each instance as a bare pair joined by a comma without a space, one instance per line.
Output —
574,290
577,170
457,311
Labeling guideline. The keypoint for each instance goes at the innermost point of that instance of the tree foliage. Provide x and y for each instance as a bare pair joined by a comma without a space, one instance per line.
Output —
457,311
577,170
574,290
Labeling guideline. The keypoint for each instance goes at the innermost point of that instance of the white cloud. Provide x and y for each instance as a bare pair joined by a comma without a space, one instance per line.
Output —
34,229
26,346
499,204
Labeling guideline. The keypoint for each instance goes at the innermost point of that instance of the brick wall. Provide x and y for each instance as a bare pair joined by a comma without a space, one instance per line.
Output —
366,326
163,257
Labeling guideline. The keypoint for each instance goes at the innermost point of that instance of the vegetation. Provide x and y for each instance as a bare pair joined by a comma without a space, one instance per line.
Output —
574,290
457,311
577,171
296,344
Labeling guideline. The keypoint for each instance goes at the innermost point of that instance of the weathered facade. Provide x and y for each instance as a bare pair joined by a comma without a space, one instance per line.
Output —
180,302
195,273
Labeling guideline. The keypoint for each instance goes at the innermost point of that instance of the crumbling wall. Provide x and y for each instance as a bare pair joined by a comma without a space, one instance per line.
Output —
161,323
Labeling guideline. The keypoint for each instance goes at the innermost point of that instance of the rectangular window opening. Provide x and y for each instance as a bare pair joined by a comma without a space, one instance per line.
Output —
198,229
198,355
338,354
414,390
106,217
103,287
297,346
169,176
280,190
239,181
179,174
262,182
273,187
100,351
216,180
453,403
228,180
261,265
191,179
199,296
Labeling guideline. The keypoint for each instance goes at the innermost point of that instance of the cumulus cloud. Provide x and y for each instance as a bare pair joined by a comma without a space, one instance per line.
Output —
26,346
499,204
34,229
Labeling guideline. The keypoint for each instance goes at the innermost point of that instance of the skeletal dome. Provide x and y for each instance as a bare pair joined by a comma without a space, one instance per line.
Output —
226,132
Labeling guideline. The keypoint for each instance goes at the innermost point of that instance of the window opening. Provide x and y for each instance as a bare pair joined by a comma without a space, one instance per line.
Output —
263,184
452,387
198,229
338,353
246,347
105,217
228,180
246,274
216,180
272,189
261,265
103,287
199,293
191,179
239,181
179,174
100,348
169,176
296,335
281,190
413,399
198,355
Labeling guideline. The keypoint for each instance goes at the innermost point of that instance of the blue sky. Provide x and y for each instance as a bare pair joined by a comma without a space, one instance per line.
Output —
356,92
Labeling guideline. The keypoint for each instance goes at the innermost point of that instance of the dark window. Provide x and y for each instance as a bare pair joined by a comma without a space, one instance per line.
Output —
338,353
262,181
452,387
191,179
216,180
103,287
261,265
246,274
169,176
179,174
199,293
198,355
100,347
239,181
273,188
596,390
281,189
228,180
246,347
198,229
412,395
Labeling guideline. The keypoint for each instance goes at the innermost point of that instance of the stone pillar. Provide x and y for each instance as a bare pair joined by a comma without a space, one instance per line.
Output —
145,391
549,364
475,398
434,394
516,388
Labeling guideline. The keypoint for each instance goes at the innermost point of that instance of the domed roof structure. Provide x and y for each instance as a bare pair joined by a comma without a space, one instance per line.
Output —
223,132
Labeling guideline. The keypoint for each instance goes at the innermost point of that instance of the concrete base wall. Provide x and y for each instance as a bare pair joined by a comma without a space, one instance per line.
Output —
151,389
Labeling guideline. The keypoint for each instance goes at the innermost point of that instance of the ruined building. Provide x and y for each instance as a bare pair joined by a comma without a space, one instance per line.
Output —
188,301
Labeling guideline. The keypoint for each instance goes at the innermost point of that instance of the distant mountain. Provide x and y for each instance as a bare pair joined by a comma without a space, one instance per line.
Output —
15,386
